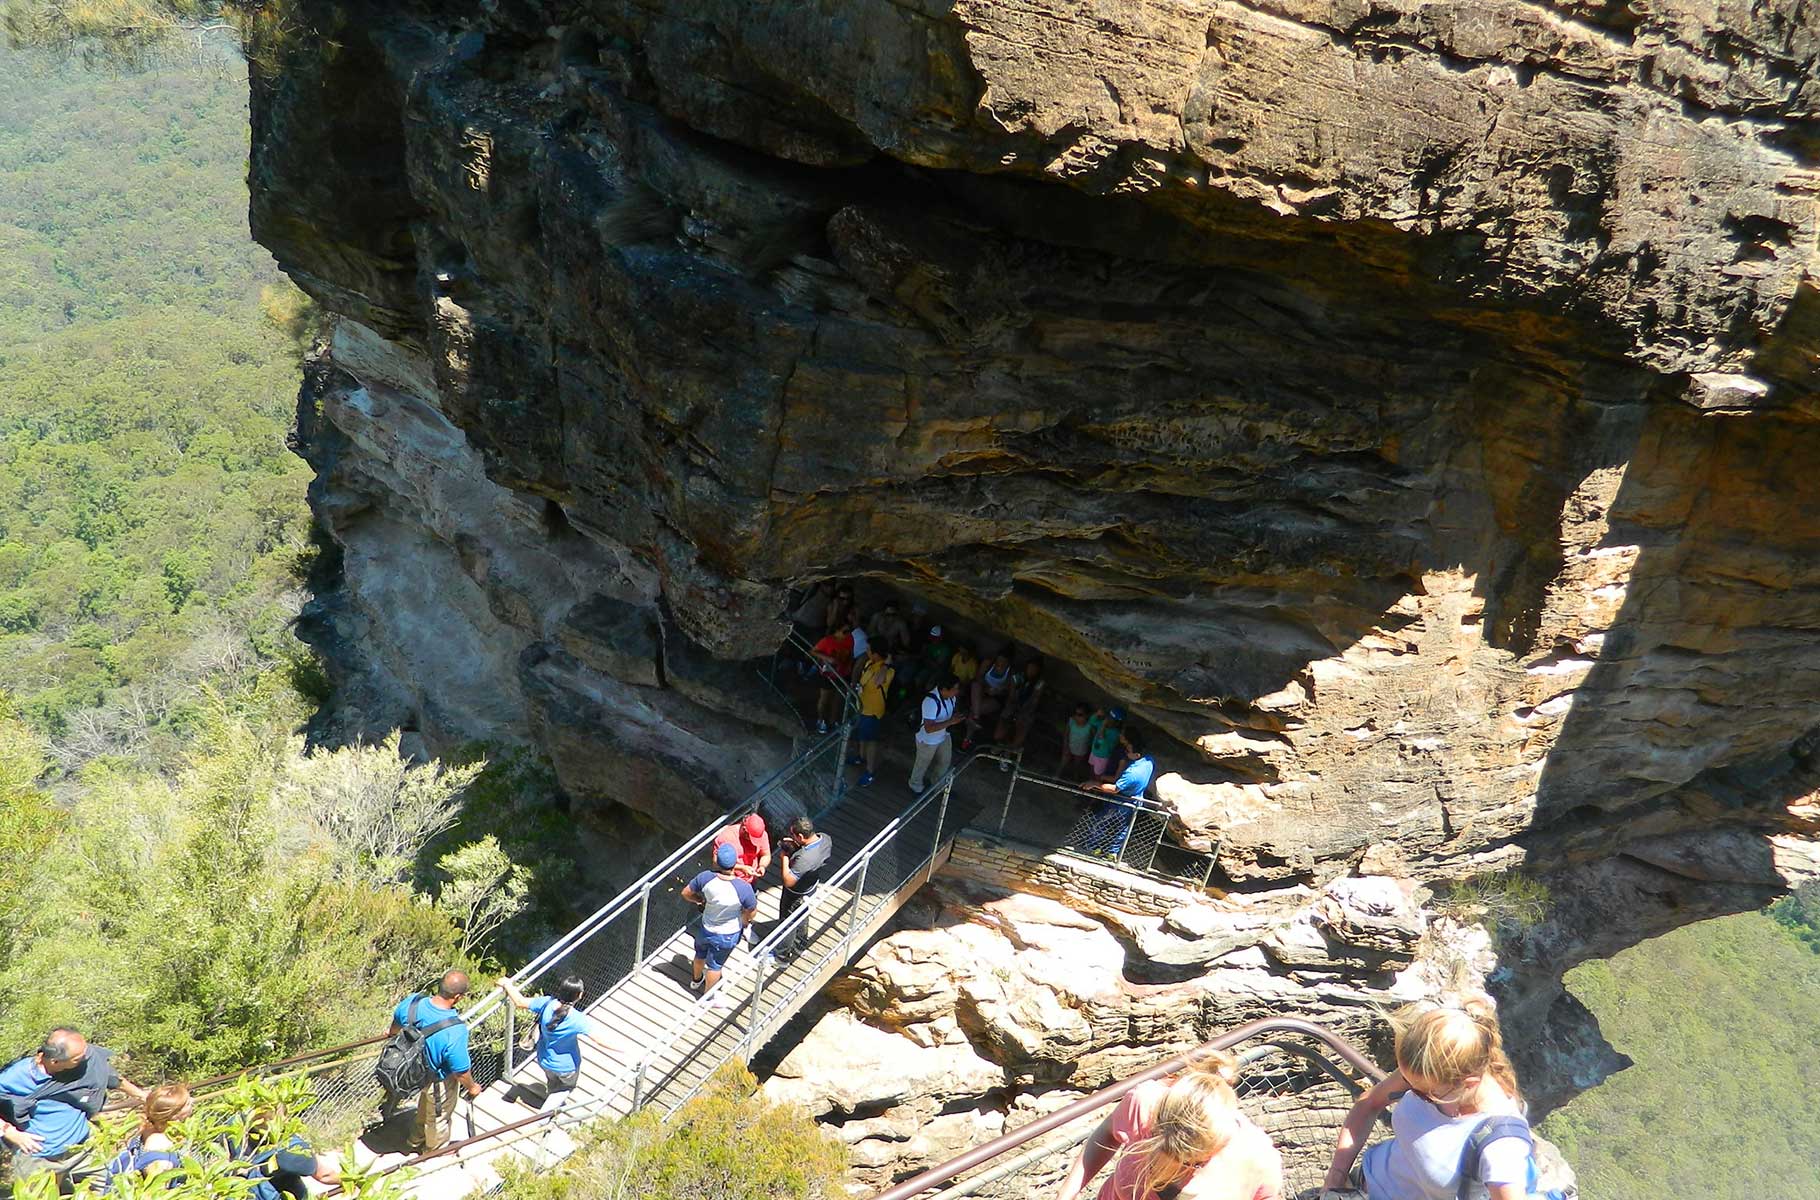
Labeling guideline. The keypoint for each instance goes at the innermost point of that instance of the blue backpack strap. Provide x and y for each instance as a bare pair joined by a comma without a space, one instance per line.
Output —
1505,1125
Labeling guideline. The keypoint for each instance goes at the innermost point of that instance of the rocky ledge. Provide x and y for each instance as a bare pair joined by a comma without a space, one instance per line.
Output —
1407,409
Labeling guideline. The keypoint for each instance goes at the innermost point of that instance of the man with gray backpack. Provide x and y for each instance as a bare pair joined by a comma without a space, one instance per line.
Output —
426,1056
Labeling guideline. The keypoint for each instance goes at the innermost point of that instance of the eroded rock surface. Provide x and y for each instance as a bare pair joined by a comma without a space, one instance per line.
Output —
1408,409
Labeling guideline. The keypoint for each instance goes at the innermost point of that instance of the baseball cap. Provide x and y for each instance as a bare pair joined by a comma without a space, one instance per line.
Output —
754,824
1117,714
725,855
935,631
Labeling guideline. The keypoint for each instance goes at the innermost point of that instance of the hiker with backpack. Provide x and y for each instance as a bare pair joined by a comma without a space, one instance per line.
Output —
934,744
1180,1138
48,1099
561,1028
426,1056
1458,1123
149,1150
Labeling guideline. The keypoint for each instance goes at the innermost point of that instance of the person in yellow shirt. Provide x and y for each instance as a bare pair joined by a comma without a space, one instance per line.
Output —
875,676
964,665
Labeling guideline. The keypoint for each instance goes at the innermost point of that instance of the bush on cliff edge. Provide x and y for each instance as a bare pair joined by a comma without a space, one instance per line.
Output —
729,1143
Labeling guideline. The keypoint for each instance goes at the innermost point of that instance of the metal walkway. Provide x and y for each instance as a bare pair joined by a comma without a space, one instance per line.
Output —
634,953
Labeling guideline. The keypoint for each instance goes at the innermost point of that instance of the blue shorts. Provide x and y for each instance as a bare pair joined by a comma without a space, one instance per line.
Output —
865,729
713,948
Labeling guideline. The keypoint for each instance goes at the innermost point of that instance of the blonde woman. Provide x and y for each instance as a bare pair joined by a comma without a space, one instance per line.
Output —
1180,1138
1458,1124
150,1149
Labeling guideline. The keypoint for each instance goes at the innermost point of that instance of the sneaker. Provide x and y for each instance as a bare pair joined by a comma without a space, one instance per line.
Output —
967,746
856,762
695,985
1004,764
821,727
751,935
866,779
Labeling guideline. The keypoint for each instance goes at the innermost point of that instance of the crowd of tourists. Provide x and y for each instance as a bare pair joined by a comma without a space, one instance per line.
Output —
1457,1113
982,693
50,1099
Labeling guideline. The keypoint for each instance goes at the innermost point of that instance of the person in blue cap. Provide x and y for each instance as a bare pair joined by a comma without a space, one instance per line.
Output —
728,905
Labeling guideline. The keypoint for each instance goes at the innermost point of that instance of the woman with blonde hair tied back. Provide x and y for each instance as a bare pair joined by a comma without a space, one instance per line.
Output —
1180,1138
1458,1128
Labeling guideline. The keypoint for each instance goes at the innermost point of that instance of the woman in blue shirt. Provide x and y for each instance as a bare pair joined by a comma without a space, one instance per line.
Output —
560,1028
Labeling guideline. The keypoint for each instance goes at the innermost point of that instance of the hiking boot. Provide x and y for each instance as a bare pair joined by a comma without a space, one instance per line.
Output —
866,779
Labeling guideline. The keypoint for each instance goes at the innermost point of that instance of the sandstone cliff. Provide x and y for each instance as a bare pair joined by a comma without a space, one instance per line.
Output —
1409,409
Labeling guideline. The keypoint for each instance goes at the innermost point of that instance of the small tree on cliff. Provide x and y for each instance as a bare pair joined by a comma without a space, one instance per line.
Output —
134,32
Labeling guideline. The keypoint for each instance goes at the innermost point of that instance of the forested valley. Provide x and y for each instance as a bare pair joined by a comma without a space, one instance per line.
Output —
177,875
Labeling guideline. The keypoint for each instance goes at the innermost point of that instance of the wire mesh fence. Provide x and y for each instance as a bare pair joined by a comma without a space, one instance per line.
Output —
1132,833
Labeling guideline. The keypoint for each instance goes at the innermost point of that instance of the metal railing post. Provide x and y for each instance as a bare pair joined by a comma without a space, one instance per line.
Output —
751,1030
941,814
1150,863
511,1038
859,891
638,1085
1017,772
840,757
644,907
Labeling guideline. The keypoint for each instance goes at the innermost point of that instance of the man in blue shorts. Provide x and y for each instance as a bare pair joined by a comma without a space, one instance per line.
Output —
728,905
874,682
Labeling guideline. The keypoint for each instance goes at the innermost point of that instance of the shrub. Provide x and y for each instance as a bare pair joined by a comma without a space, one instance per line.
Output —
729,1143
1506,904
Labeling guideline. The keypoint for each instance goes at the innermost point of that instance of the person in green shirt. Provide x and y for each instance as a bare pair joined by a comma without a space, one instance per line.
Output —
1103,743
1077,737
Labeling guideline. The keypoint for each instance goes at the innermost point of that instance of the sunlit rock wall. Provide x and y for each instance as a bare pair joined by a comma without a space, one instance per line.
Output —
1408,409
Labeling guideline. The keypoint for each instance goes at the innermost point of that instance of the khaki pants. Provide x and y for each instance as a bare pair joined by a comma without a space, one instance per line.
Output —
937,756
435,1115
75,1165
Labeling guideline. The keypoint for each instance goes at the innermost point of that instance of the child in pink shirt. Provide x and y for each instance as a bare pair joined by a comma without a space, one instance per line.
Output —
1182,1138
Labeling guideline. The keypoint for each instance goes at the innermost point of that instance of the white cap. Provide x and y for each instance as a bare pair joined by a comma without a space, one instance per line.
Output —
935,631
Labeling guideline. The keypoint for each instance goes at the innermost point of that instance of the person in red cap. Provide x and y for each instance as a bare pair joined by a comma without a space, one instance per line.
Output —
752,852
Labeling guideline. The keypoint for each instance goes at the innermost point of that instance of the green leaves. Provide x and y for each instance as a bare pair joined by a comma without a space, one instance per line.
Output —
729,1143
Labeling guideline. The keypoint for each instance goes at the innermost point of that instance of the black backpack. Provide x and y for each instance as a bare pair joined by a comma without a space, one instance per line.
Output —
404,1067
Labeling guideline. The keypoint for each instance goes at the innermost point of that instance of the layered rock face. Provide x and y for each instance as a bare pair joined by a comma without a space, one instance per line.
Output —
1409,410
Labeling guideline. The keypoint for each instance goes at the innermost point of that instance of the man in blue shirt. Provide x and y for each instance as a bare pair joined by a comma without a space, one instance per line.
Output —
446,1050
47,1100
1112,818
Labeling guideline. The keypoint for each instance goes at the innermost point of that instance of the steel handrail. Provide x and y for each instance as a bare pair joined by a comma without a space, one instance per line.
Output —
606,913
688,1019
916,1185
645,883
629,1074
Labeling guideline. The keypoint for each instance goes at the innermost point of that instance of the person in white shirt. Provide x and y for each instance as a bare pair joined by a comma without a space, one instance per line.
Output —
934,745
